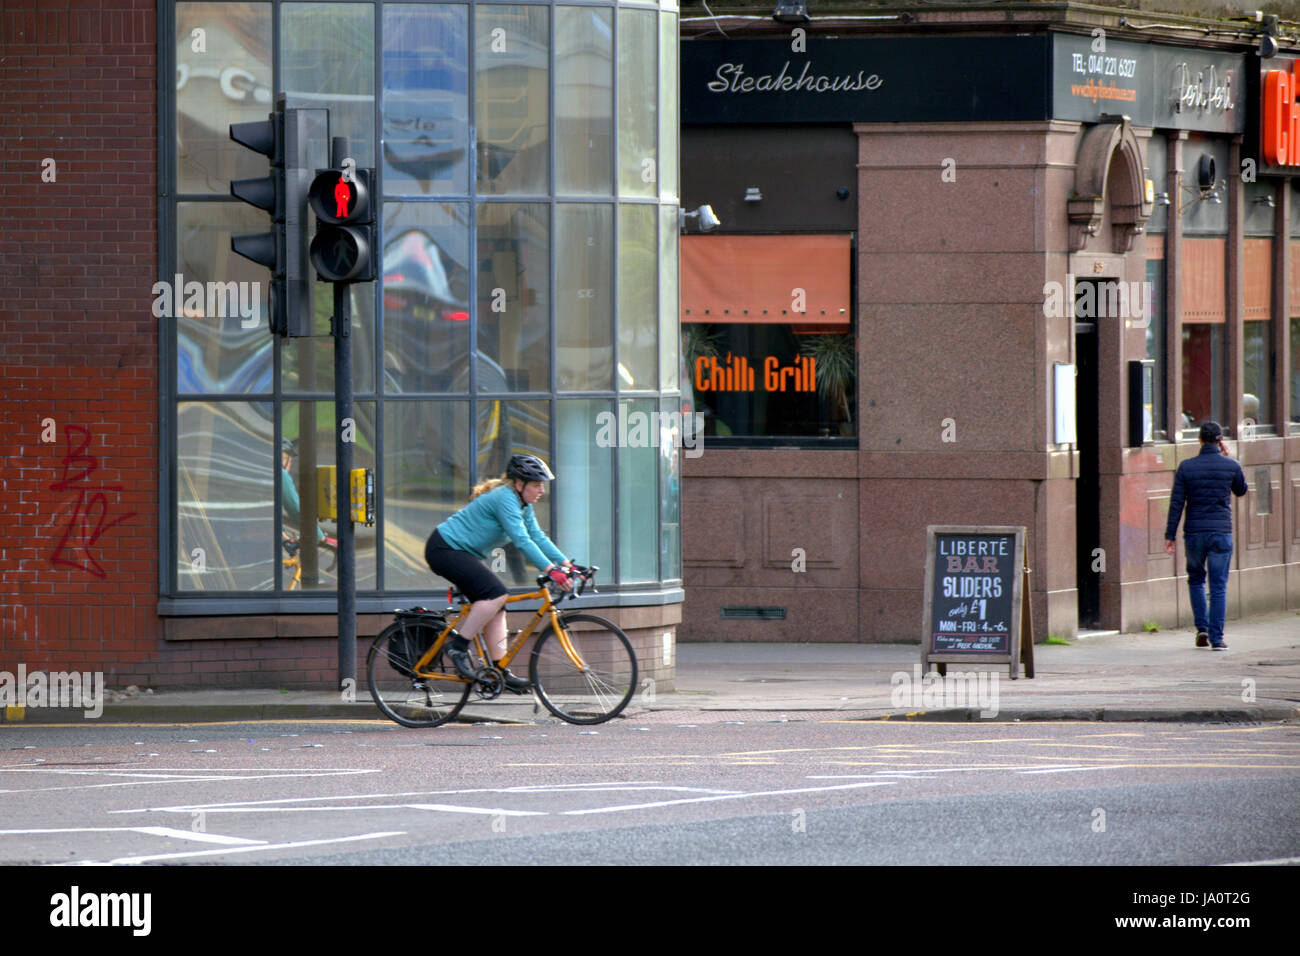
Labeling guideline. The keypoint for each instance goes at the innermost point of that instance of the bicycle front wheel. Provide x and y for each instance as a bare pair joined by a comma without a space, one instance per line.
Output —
410,699
598,684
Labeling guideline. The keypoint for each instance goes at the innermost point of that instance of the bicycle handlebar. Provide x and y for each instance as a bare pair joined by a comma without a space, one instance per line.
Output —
580,575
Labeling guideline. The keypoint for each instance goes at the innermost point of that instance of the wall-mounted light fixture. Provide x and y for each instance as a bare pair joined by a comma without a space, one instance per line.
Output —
705,220
1209,188
791,11
752,194
1266,201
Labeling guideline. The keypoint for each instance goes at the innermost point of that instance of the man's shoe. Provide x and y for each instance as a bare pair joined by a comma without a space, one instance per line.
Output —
515,684
1202,638
458,652
1221,646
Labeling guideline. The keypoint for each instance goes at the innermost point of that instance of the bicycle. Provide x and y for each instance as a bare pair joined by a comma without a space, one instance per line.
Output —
583,669
293,548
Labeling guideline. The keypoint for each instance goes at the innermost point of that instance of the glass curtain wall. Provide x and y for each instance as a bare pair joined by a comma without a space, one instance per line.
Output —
527,174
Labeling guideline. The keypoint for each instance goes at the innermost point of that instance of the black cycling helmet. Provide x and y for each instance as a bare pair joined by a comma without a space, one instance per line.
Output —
528,468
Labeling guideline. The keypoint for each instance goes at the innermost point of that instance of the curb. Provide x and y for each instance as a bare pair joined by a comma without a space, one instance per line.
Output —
1256,715
206,713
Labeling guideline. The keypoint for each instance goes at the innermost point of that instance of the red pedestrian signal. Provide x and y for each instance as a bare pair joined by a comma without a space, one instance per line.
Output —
343,249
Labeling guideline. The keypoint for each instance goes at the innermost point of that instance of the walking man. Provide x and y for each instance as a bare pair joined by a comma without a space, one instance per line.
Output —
1203,483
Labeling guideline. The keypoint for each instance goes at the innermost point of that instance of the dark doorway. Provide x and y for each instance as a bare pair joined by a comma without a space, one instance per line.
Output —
1087,510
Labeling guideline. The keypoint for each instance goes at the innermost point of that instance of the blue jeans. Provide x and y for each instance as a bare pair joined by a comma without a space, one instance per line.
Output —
1212,548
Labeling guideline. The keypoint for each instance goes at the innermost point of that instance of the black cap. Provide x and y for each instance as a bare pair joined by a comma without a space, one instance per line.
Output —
1211,432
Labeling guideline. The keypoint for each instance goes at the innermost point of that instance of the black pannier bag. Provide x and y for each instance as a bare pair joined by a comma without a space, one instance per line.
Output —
419,629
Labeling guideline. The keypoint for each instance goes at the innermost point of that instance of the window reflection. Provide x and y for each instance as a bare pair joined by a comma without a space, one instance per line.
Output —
584,323
426,88
223,76
512,71
327,59
513,297
506,428
426,479
584,107
637,103
426,298
224,496
584,486
637,329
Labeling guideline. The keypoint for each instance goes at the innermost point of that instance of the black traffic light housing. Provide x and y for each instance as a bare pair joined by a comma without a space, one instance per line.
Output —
283,194
345,246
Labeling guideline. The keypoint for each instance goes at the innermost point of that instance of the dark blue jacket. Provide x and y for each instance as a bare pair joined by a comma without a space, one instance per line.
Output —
1204,483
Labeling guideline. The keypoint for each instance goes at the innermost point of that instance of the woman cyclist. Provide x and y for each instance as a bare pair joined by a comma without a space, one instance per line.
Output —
498,508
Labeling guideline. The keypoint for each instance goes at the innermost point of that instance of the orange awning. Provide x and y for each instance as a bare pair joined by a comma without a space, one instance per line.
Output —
758,279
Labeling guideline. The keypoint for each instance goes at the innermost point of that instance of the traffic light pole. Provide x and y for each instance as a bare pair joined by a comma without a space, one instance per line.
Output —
342,328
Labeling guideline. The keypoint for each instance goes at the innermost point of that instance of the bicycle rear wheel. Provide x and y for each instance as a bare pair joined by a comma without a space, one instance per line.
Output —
401,695
598,690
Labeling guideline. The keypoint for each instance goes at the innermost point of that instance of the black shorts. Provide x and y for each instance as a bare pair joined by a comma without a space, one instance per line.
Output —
462,569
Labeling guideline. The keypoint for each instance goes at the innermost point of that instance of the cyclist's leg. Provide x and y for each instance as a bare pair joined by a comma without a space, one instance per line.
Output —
484,589
494,634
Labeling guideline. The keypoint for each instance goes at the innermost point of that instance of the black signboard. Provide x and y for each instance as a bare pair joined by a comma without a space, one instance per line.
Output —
974,592
896,79
864,79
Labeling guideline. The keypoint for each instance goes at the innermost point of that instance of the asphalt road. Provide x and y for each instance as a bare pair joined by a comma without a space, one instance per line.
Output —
663,788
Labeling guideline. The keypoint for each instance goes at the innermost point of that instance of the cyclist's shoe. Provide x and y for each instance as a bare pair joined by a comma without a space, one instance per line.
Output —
457,649
514,684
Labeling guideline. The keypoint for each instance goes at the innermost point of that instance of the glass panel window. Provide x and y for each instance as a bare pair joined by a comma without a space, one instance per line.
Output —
670,314
637,328
670,490
637,103
426,99
584,486
584,102
307,364
1257,374
327,59
426,297
1202,374
668,106
506,428
638,493
225,496
584,303
511,73
219,302
307,446
514,301
223,76
1155,337
426,480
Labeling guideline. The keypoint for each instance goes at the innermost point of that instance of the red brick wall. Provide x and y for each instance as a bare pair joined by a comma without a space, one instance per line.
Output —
79,349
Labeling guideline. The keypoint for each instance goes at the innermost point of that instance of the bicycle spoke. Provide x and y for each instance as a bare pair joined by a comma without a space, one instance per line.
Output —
595,692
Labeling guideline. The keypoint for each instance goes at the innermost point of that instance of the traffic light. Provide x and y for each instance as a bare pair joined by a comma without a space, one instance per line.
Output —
344,247
283,195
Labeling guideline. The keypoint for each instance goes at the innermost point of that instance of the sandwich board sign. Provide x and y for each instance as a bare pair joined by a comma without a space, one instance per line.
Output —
977,598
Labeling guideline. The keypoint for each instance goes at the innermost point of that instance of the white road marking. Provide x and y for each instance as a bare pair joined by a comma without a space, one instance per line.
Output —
492,811
150,779
731,796
908,773
150,831
247,805
1065,769
127,860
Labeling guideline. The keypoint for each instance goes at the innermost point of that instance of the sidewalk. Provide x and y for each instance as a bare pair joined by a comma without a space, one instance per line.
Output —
1160,676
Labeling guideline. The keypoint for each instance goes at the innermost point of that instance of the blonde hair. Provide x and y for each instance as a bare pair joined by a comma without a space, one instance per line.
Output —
484,487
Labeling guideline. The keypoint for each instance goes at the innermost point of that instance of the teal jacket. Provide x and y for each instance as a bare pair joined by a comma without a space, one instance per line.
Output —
489,519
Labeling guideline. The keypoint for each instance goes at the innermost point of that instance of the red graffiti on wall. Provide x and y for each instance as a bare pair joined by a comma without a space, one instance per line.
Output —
91,513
